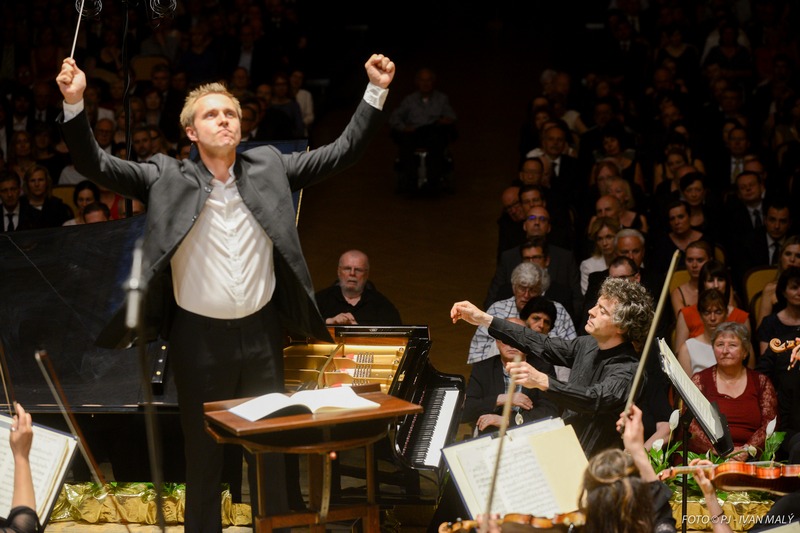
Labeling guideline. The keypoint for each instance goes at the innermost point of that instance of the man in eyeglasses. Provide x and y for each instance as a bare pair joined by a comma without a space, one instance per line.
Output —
353,299
562,267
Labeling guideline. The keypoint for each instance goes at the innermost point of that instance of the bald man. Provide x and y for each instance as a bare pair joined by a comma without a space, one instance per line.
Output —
353,299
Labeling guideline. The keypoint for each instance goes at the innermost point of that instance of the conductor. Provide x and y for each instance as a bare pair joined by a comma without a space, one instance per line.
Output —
221,259
603,363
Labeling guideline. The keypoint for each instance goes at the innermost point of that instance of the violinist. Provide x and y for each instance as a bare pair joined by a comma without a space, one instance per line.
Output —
621,491
602,364
784,324
22,518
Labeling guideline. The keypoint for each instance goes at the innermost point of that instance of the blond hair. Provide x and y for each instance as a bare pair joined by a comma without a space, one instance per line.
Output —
190,104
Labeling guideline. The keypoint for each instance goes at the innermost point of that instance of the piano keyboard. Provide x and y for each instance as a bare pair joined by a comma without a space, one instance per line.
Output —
432,426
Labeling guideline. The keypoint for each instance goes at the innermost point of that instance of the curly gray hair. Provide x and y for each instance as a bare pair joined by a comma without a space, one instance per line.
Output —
633,312
528,274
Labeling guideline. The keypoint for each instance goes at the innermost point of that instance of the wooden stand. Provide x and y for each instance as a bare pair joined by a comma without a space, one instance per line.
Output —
316,436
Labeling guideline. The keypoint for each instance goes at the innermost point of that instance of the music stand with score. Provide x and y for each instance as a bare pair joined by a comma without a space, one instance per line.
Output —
316,436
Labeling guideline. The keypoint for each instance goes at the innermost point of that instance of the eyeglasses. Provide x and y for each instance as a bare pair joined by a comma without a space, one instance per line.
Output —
541,218
511,206
533,258
354,270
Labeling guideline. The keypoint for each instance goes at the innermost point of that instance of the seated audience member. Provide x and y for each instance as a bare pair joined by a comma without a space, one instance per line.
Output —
531,172
17,215
620,267
745,210
353,299
713,275
615,147
537,250
762,246
84,194
528,280
424,120
22,518
746,397
680,235
696,353
38,189
697,254
704,214
790,257
562,267
488,386
601,232
629,217
510,232
784,324
96,212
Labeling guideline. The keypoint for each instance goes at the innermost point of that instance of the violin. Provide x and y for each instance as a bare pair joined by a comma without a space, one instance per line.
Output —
514,522
765,476
778,346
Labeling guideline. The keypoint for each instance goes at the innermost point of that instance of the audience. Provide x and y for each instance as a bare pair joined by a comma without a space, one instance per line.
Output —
747,398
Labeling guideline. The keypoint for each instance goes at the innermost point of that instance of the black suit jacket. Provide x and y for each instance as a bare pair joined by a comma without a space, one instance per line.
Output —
176,191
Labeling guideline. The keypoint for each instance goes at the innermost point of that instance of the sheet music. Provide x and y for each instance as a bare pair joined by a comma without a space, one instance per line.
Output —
48,459
521,485
476,459
701,407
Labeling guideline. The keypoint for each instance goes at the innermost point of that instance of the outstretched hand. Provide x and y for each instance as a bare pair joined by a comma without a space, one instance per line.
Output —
71,81
468,312
380,70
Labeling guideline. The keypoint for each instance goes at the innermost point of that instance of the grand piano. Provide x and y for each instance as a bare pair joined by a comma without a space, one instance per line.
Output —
60,287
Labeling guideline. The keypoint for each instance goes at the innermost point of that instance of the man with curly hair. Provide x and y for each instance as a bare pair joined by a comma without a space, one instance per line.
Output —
602,363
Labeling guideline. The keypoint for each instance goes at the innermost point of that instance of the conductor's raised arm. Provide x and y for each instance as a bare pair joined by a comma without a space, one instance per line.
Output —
71,81
380,70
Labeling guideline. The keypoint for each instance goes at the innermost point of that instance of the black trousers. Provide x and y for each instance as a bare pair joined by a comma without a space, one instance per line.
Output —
219,360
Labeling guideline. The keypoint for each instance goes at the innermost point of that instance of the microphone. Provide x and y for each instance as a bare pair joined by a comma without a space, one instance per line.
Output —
89,8
135,288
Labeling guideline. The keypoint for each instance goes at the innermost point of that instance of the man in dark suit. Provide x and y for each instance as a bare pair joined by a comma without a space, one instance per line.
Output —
561,267
17,215
745,211
221,239
762,247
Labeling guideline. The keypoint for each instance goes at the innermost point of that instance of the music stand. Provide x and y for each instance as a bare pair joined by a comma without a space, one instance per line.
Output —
315,436
708,416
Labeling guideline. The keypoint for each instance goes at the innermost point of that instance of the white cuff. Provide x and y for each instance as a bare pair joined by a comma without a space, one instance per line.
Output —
72,110
375,96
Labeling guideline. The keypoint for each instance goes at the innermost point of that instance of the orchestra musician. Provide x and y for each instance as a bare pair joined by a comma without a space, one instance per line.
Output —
621,491
602,364
221,240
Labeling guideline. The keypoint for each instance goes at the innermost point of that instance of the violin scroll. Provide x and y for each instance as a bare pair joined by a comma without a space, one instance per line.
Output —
778,346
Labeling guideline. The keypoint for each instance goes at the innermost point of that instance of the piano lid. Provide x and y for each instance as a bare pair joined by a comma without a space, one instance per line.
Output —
60,287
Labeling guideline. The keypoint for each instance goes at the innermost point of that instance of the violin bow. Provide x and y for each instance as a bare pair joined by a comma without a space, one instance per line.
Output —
49,373
637,378
503,426
8,388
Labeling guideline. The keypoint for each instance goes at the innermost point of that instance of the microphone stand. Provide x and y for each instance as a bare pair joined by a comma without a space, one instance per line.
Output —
136,290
